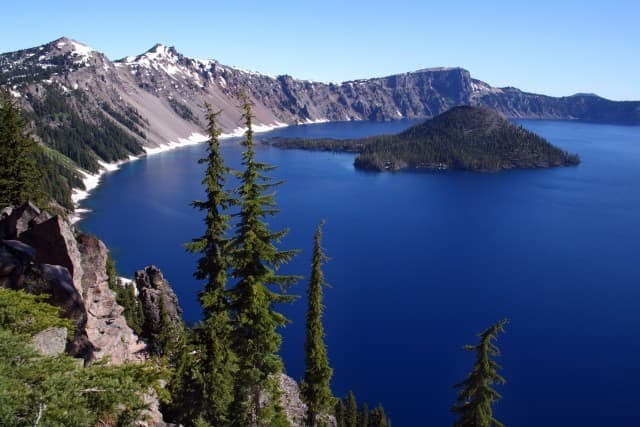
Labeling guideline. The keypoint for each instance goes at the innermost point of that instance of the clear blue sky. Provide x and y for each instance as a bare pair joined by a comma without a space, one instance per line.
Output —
553,47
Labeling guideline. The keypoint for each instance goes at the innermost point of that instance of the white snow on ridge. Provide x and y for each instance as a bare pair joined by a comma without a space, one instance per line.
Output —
194,138
92,181
81,50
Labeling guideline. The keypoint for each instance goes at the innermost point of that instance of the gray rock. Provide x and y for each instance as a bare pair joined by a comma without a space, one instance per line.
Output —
55,244
22,251
56,281
15,258
18,220
152,287
294,408
51,341
106,327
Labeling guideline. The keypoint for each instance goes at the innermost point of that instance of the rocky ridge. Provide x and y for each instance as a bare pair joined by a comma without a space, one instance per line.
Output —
157,96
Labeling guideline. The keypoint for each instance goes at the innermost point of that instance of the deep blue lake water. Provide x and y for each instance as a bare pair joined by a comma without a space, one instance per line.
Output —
421,262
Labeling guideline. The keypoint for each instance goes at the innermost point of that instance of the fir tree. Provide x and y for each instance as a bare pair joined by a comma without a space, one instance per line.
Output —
476,395
218,360
20,180
315,388
378,418
363,418
340,411
351,410
258,288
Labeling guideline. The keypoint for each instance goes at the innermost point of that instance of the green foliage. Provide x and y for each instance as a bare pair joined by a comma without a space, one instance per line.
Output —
22,313
258,287
188,405
351,410
217,360
42,390
62,128
476,396
131,119
468,138
347,414
166,341
182,110
363,416
315,387
59,176
126,297
20,179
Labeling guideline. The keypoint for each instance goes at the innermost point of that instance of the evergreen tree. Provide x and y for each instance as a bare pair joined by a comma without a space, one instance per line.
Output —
20,180
315,388
378,418
363,418
258,288
476,395
218,361
340,411
351,410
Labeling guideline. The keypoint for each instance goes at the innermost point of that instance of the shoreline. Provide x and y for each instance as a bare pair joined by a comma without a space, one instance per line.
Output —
92,181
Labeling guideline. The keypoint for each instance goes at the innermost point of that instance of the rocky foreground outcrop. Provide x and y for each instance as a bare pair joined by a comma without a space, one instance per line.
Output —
42,254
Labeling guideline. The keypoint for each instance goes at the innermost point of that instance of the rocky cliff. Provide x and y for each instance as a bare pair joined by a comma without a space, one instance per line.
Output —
42,254
91,110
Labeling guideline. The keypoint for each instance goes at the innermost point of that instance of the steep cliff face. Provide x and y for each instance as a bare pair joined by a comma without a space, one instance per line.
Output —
148,100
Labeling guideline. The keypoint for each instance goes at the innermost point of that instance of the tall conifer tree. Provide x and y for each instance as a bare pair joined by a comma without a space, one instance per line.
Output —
218,361
363,417
351,410
20,180
258,288
315,388
476,396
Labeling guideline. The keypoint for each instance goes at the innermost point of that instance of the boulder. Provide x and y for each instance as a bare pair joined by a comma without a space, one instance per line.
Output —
106,327
51,341
55,244
56,281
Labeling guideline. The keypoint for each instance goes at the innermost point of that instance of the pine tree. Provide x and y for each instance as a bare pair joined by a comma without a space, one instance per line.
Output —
340,411
363,417
378,418
218,360
315,388
351,410
476,395
20,180
258,288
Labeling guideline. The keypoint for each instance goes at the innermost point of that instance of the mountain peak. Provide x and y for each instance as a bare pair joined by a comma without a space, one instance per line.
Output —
160,50
67,45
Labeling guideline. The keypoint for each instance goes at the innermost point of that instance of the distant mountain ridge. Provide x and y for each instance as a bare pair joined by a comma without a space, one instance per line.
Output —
94,110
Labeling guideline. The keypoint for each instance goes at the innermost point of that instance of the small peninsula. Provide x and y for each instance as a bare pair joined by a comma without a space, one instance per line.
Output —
463,138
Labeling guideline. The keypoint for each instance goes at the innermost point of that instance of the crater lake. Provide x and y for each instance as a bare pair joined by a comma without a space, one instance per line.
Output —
423,261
